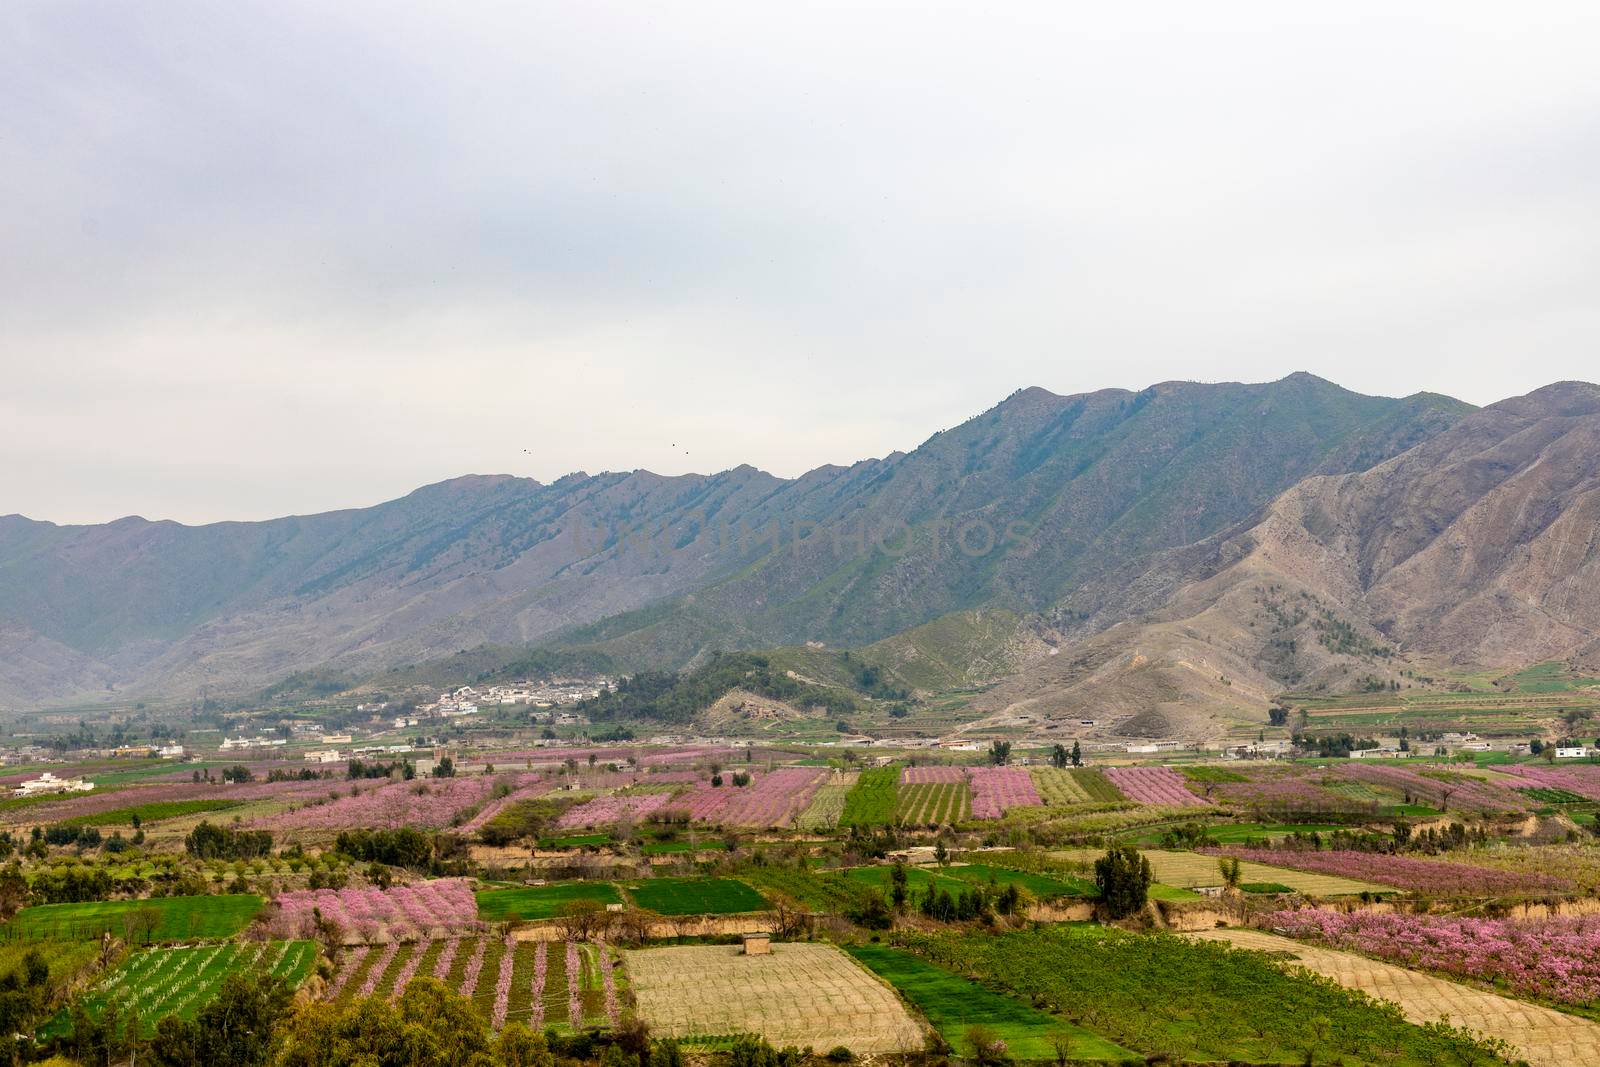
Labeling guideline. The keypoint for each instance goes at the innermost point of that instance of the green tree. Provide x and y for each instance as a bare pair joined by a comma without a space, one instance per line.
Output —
1123,877
1059,757
1077,754
999,753
235,1028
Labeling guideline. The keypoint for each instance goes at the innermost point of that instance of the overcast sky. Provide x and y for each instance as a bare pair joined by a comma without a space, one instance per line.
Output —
259,259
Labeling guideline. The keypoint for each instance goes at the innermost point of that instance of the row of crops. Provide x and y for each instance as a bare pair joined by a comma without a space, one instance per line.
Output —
180,981
562,984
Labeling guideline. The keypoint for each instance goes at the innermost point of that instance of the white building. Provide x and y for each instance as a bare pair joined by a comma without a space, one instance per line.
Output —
1572,752
170,751
326,755
49,783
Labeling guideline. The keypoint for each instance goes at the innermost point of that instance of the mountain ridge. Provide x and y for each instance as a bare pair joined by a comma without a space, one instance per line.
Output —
656,569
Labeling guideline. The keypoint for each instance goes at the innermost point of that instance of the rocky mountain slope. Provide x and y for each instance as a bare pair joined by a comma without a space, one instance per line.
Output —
1479,546
1020,509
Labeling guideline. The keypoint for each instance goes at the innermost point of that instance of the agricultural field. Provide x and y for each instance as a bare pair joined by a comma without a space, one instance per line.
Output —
996,790
155,919
1540,1036
958,878
1190,1000
1153,785
1059,786
696,896
441,907
952,1003
801,994
873,800
1554,960
541,901
933,804
153,811
1435,877
827,804
567,985
181,981
1190,870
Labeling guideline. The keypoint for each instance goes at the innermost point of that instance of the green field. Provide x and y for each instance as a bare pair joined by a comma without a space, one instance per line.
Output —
696,896
181,981
541,901
933,803
154,811
1190,1000
873,799
179,918
1096,785
958,879
952,1004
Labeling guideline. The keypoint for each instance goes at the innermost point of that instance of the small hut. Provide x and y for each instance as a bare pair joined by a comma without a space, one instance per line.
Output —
758,944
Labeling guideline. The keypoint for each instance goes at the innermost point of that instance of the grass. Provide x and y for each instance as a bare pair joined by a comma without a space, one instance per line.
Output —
541,901
696,896
154,811
179,918
1234,833
952,1004
1097,785
873,799
1159,891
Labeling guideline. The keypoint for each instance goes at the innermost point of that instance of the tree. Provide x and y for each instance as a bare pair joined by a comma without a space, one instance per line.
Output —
1059,757
985,1046
1123,877
897,883
1231,870
999,753
1077,754
236,1027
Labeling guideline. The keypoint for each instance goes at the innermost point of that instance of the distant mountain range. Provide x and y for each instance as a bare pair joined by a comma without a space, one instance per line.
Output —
1167,555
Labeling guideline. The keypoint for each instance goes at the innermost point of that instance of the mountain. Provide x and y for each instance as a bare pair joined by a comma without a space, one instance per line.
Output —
1477,547
1016,510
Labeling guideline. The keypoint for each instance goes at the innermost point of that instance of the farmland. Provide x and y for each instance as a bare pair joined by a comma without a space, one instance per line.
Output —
1161,993
696,896
1188,870
441,907
1540,1036
827,804
953,1003
933,804
959,878
801,994
180,981
156,919
563,984
1058,786
873,800
541,901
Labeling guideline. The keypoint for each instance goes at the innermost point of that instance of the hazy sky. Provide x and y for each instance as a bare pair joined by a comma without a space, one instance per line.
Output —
280,257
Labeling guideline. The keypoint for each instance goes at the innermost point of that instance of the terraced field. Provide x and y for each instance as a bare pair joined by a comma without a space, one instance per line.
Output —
1543,1036
801,994
934,803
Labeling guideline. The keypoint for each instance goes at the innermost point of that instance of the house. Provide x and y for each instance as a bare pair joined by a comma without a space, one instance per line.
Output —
170,751
757,944
1143,750
48,783
1572,752
326,755
1378,753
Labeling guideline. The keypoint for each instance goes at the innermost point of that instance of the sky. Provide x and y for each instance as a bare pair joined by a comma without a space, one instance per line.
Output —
272,258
